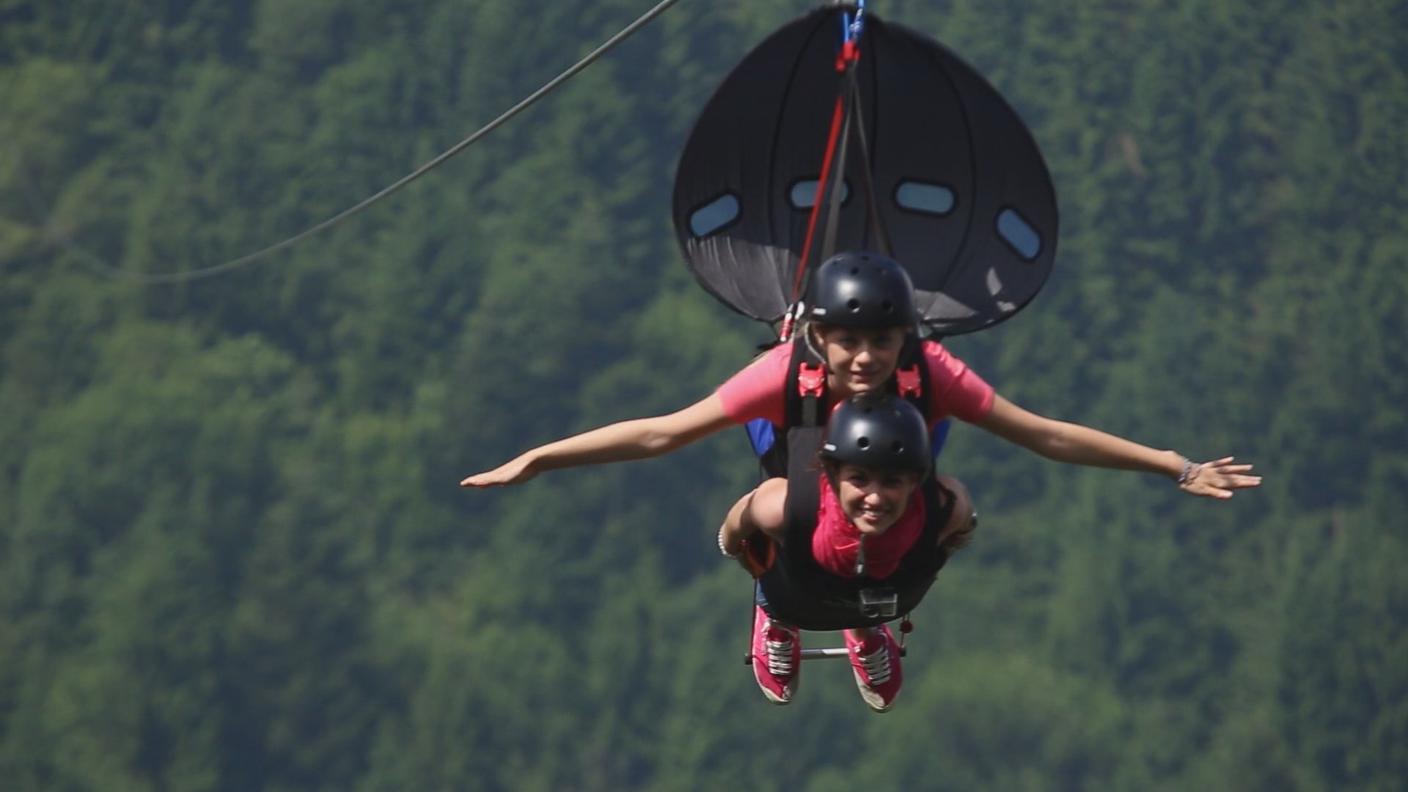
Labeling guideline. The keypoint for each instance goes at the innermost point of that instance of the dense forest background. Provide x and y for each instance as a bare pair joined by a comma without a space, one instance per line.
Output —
233,555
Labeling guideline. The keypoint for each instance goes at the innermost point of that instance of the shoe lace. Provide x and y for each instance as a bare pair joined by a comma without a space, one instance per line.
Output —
779,651
876,664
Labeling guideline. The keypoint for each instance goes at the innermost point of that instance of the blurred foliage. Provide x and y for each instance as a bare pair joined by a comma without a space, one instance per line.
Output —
233,555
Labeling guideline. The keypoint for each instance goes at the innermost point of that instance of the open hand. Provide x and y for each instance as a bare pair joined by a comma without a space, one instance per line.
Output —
515,471
1218,478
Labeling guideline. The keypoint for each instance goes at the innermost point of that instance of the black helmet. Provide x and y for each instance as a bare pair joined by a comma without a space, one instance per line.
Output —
861,289
878,431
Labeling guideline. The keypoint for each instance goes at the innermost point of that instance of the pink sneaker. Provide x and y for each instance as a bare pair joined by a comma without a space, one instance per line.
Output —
875,659
777,656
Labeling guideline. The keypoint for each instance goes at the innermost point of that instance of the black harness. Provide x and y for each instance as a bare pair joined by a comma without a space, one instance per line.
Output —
795,589
798,591
807,404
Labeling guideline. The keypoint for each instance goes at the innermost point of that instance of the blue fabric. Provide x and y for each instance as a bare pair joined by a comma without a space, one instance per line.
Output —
936,442
760,435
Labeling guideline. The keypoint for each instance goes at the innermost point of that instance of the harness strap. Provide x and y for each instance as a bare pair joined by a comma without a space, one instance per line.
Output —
912,376
811,386
877,225
827,192
821,196
836,190
908,382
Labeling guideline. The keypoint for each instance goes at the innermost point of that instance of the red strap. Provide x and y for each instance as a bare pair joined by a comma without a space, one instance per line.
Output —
810,379
850,53
816,199
908,381
848,56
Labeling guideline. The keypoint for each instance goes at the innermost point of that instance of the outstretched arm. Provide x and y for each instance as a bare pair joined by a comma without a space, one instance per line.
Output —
618,442
1081,445
761,510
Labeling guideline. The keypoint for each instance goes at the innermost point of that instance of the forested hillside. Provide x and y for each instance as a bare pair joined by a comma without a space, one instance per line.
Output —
233,555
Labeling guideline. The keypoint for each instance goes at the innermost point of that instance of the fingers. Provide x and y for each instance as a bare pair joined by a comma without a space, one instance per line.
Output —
1233,477
1219,477
515,471
1208,489
1223,488
492,478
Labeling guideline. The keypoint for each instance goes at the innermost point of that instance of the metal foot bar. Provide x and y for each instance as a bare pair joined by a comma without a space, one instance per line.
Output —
833,652
825,654
829,653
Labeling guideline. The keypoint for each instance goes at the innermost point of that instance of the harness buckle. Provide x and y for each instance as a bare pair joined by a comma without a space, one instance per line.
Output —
810,379
908,381
879,603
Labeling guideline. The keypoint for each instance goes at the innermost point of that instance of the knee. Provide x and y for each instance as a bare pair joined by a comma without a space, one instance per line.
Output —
766,507
962,518
962,501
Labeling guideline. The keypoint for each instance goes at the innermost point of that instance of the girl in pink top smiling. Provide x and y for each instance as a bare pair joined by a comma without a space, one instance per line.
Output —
850,546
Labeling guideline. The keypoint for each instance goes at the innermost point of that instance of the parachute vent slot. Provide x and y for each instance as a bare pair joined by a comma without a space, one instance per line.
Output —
1019,234
802,195
925,198
714,216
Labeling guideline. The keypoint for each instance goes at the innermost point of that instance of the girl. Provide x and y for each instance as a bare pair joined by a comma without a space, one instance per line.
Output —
851,547
860,323
861,315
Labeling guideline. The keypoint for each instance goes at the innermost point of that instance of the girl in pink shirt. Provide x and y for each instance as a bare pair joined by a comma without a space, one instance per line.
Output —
860,320
861,313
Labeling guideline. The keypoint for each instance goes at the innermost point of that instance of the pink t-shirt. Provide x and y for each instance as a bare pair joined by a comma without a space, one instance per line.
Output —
759,391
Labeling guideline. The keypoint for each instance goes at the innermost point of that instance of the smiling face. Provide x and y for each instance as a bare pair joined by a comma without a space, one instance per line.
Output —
859,360
874,499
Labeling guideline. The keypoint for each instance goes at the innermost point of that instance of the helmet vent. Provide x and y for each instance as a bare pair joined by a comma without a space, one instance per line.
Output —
862,443
887,306
853,305
897,447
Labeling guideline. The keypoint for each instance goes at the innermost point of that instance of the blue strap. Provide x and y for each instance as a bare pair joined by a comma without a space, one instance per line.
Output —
760,435
940,436
851,29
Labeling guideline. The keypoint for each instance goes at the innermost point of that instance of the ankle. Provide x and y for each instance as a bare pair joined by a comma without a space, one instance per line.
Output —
866,640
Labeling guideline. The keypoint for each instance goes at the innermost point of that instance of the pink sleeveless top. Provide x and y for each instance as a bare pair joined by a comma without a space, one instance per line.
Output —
836,540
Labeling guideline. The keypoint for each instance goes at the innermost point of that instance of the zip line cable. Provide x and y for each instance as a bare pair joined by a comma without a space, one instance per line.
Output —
548,87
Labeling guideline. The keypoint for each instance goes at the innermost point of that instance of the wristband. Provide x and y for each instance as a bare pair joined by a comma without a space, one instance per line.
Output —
722,549
1190,471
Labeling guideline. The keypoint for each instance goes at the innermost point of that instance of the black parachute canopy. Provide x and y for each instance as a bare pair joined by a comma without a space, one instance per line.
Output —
961,189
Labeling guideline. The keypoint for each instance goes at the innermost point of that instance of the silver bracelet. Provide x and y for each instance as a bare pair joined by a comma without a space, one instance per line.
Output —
722,549
1190,471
